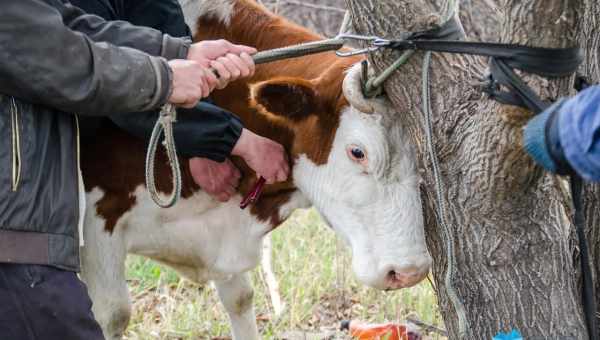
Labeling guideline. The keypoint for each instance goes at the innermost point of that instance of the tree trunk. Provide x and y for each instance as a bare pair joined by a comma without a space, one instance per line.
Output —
589,38
512,250
321,16
591,199
481,19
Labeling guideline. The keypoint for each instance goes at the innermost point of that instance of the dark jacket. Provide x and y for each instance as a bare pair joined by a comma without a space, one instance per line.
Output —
48,72
206,131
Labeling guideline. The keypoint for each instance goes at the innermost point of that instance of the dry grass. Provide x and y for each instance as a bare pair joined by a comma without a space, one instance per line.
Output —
316,284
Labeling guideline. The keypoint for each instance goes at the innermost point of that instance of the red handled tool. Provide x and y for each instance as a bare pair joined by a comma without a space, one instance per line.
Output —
254,194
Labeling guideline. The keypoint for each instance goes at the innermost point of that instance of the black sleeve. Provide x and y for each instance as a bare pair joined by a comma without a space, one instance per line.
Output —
45,62
164,15
125,33
204,131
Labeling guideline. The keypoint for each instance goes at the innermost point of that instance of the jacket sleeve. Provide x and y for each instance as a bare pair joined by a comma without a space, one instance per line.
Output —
124,33
579,132
164,15
43,61
204,131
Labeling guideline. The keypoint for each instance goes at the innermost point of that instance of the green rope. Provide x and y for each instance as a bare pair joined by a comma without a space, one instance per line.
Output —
373,86
459,308
299,50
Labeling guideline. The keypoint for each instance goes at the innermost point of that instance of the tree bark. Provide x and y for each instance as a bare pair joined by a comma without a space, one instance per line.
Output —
481,19
589,38
512,235
321,16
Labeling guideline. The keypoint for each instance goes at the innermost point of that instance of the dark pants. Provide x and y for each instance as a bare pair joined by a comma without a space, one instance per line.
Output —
44,303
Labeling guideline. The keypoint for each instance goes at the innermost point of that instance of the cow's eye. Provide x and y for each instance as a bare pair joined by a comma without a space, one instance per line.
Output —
357,154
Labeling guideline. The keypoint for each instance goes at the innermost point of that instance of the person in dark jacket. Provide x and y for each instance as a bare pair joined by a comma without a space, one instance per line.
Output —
205,134
50,70
565,138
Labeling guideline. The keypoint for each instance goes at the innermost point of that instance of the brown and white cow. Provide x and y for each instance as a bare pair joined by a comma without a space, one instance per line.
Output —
372,202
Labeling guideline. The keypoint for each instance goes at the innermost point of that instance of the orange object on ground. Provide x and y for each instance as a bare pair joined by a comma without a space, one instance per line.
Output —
384,331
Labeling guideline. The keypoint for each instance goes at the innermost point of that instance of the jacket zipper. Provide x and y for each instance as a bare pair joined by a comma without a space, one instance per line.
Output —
16,145
80,187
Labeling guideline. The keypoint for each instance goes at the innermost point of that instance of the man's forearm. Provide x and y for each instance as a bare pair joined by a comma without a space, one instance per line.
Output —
205,131
45,62
122,33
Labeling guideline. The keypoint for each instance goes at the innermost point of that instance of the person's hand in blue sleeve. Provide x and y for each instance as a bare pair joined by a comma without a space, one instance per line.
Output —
565,138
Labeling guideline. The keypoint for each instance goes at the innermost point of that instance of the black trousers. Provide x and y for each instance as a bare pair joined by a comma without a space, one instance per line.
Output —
44,303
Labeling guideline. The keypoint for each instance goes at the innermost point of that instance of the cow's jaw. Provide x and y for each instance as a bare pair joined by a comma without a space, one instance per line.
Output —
376,210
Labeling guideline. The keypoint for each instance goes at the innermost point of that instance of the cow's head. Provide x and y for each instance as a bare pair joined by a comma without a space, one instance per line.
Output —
355,163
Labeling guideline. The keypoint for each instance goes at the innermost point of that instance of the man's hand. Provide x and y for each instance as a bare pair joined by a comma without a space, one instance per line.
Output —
191,82
229,60
217,179
266,157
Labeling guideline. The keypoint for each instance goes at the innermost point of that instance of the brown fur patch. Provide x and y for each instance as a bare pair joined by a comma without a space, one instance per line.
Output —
267,207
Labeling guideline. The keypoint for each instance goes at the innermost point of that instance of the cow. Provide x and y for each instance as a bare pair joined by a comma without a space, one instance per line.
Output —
350,158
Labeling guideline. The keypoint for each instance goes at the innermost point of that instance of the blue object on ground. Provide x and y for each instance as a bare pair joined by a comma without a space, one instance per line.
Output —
513,335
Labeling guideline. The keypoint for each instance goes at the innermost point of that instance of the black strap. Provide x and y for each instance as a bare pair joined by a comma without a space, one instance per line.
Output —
519,94
547,62
504,58
581,82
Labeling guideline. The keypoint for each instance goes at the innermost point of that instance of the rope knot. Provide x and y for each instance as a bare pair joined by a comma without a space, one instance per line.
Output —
168,114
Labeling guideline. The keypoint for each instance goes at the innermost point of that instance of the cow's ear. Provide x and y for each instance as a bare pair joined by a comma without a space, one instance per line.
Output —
285,98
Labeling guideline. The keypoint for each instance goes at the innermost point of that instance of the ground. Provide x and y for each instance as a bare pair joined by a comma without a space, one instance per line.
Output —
316,284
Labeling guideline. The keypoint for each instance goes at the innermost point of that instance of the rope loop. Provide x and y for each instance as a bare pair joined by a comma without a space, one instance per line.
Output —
164,124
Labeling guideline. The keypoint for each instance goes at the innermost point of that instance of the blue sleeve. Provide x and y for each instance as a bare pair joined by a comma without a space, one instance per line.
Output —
579,132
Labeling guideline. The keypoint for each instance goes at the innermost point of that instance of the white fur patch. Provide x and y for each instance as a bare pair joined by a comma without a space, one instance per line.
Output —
297,201
194,9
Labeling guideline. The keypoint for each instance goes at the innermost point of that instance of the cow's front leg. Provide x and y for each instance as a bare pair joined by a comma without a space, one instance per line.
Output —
103,270
236,295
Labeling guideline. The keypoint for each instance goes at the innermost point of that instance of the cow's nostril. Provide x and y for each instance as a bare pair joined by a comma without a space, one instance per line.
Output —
403,277
397,278
398,274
